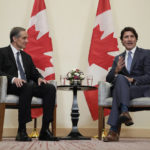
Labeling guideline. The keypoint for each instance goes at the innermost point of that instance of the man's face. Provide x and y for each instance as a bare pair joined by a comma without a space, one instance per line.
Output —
129,40
21,41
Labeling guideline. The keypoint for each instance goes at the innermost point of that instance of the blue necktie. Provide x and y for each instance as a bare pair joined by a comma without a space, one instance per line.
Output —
129,61
22,73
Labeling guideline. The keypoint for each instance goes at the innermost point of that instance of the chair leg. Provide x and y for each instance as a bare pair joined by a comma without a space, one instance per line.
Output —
54,122
103,122
2,114
100,122
119,129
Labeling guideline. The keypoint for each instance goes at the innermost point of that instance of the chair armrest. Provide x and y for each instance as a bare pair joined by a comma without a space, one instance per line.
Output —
3,88
53,82
103,92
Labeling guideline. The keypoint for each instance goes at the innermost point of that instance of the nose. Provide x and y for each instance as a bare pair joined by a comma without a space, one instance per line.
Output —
26,40
129,38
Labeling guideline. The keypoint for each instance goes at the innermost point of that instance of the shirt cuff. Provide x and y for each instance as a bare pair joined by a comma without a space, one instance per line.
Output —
12,81
116,75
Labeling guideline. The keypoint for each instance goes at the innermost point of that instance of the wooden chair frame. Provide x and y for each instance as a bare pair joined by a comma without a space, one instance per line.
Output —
104,92
3,106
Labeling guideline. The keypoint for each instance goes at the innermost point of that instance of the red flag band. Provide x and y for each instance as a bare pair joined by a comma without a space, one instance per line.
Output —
103,41
39,45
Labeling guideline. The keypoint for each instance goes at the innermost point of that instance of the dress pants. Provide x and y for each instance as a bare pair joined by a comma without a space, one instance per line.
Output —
122,93
46,91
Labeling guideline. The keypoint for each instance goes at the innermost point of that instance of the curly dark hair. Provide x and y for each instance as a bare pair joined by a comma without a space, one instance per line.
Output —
131,29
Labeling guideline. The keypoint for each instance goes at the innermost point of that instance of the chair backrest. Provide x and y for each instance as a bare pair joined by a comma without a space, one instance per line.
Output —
3,88
105,98
103,92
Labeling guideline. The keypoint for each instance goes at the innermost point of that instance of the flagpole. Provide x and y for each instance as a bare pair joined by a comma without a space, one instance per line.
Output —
34,133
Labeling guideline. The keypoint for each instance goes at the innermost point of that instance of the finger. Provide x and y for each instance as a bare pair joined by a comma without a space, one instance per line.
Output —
39,83
121,60
19,83
123,64
16,84
45,81
127,78
23,81
121,57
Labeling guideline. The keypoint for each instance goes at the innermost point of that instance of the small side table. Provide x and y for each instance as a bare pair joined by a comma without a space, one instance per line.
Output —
75,134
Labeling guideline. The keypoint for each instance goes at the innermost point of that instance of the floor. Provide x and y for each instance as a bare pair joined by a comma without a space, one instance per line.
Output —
93,144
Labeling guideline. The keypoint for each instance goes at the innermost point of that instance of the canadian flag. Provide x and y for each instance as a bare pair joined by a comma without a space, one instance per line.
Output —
102,43
39,45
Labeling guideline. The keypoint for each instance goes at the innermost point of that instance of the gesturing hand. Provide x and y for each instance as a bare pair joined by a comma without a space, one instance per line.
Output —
130,79
120,64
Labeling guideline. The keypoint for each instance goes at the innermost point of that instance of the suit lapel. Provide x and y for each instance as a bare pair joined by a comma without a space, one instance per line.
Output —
23,61
135,58
12,58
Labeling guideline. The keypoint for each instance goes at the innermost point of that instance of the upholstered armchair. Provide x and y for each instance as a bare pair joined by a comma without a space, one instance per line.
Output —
11,102
105,101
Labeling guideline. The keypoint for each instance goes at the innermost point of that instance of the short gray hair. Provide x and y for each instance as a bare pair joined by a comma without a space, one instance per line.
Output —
15,32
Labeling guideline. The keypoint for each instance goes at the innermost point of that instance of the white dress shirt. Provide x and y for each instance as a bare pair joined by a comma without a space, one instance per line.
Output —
20,58
132,55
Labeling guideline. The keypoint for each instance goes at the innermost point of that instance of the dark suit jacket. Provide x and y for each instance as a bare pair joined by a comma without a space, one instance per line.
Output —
140,67
8,65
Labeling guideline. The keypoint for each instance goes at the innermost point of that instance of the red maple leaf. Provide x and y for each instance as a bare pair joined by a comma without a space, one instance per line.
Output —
99,49
36,48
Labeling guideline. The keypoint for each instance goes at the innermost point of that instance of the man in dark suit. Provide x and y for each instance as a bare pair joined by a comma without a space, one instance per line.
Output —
20,71
130,76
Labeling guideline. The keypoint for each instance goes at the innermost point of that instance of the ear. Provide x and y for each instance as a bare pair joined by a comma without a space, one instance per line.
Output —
14,38
122,42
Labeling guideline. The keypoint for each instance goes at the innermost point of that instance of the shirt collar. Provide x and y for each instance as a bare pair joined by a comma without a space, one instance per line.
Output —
132,50
14,49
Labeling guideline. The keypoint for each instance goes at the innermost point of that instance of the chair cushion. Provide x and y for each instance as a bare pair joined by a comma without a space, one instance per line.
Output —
142,101
14,99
